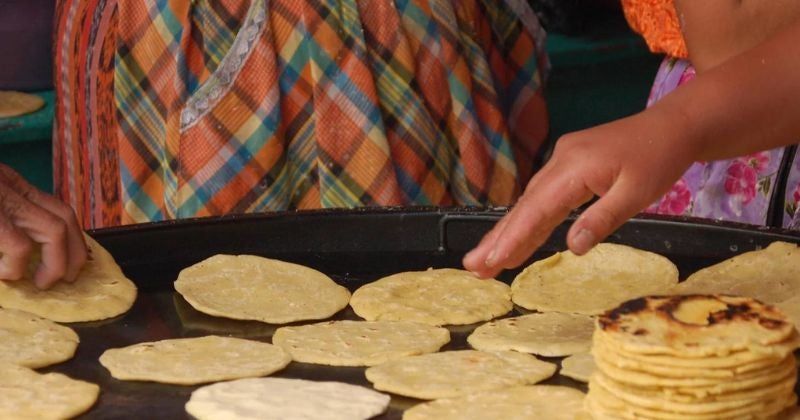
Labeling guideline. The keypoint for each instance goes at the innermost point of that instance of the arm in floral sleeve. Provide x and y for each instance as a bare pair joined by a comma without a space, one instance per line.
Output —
747,104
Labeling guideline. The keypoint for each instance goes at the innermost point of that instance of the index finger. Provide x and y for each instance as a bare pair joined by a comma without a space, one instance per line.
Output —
75,245
542,207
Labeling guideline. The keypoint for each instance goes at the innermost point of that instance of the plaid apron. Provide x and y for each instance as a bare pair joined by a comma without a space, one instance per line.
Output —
174,109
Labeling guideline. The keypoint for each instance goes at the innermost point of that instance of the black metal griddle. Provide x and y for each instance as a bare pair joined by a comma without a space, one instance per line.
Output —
354,247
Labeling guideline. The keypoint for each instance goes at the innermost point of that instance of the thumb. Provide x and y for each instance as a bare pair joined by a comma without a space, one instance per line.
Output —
603,217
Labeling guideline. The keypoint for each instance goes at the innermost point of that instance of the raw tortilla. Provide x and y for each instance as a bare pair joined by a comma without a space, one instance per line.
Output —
256,288
601,279
285,399
101,291
456,373
188,361
34,342
14,104
436,297
771,275
515,403
578,367
359,343
545,334
27,394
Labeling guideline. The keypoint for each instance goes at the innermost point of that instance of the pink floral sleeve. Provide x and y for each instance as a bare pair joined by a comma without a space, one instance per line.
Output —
791,215
739,189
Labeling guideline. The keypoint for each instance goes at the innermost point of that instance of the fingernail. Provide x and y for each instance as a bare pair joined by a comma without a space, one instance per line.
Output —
490,260
469,254
583,241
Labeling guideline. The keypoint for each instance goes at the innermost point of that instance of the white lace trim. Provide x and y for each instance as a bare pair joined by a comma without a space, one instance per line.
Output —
219,83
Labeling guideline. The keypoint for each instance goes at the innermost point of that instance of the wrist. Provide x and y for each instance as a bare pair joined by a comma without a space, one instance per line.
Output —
677,132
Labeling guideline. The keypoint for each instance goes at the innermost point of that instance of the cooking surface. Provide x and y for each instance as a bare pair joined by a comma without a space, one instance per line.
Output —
354,248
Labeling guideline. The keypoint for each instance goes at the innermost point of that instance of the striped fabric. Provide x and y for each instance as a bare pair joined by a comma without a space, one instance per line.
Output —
230,106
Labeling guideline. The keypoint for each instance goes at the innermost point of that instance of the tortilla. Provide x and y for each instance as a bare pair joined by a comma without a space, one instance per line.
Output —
359,343
771,275
545,334
605,404
739,354
250,287
737,361
27,394
434,297
101,291
791,308
15,104
34,342
455,373
188,361
515,403
693,326
661,397
601,279
285,399
579,366
644,363
699,386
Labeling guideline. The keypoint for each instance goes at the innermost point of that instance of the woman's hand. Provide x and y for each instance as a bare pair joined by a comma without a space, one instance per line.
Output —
30,218
628,163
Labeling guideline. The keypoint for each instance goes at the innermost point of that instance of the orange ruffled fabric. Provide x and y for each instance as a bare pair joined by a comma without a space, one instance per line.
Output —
657,21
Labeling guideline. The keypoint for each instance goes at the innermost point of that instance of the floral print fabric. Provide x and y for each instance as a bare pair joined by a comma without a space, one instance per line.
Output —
791,210
741,189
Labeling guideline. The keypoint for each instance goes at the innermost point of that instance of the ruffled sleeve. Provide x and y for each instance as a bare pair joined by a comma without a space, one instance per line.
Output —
657,21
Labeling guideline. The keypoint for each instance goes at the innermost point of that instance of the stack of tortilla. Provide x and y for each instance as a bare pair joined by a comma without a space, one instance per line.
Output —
693,356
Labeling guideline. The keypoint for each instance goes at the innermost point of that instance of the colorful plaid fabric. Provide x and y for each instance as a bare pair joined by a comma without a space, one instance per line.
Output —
228,106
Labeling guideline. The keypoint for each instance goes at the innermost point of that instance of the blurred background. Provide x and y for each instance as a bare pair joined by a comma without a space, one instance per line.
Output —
600,71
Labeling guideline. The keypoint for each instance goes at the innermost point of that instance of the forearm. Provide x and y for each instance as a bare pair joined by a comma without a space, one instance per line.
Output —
749,103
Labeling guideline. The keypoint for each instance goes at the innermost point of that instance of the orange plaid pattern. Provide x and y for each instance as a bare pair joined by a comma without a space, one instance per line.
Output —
230,107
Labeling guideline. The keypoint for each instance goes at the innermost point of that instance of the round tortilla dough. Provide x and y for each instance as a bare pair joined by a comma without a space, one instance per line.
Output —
791,308
34,342
435,297
15,104
455,373
545,334
250,287
579,366
27,394
771,275
285,399
515,403
359,343
188,361
601,279
101,291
